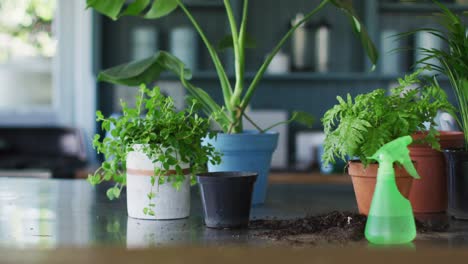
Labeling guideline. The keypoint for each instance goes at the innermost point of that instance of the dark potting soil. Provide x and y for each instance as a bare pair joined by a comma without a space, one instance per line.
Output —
334,227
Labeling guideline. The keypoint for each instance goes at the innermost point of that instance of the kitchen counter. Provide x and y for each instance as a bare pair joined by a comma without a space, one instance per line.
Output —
45,213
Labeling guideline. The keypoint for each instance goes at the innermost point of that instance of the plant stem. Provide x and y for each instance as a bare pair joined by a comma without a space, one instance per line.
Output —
240,55
237,54
270,57
462,97
223,78
253,123
275,125
236,126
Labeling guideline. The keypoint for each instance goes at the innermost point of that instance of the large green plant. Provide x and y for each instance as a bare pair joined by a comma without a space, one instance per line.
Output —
452,62
236,96
167,137
358,128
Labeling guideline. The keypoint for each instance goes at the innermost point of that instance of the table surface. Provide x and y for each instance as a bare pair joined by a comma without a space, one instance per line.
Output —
45,213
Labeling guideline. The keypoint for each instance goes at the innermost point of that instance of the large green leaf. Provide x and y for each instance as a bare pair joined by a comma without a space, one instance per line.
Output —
110,8
347,7
146,70
150,9
161,8
303,118
136,8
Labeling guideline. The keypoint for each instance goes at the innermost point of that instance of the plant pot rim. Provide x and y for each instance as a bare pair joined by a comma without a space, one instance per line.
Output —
359,163
447,139
150,173
447,135
227,175
454,150
247,133
400,171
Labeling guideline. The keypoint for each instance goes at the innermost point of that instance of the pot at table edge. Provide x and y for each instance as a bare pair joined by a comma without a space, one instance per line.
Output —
364,180
457,166
226,198
247,151
169,203
429,193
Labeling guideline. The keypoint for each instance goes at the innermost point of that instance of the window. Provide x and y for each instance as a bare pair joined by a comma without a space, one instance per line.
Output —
27,46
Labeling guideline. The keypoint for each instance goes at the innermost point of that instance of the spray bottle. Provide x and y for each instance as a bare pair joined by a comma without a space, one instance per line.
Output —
391,219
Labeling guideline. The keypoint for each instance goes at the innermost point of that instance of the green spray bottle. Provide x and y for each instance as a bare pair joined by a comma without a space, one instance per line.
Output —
391,220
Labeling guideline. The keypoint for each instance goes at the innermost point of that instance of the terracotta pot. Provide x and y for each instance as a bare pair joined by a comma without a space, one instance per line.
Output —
364,180
429,194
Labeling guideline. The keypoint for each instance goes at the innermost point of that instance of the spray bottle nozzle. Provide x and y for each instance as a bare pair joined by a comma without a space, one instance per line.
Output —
397,150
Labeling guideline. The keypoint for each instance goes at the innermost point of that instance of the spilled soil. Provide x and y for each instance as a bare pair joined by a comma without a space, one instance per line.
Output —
335,227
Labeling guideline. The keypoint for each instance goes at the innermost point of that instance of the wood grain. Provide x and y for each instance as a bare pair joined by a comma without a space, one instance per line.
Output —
234,256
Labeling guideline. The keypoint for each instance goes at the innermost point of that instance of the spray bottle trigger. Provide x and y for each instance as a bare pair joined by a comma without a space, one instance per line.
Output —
408,164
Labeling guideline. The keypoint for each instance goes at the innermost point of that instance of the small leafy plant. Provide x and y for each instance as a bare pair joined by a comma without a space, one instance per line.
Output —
454,62
237,95
358,128
167,137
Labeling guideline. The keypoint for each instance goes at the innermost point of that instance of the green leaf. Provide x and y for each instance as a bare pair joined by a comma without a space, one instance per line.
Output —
151,195
116,191
113,193
106,125
110,8
145,71
110,194
135,8
99,115
227,42
347,7
161,8
93,179
209,105
303,118
113,8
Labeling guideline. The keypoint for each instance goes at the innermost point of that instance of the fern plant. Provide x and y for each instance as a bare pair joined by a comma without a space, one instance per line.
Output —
358,128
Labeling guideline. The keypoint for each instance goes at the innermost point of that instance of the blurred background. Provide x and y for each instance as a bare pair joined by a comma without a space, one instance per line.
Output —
52,50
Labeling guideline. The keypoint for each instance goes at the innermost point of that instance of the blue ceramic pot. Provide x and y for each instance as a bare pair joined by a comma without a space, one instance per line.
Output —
249,151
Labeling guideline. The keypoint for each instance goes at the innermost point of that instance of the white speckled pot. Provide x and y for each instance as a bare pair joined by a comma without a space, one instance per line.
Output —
169,202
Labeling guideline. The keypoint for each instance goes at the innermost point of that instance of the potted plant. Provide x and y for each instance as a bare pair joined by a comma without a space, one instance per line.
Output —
453,63
429,194
358,128
242,150
155,152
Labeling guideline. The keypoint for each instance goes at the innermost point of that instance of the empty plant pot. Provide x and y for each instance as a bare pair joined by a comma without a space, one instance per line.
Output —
226,198
457,161
247,151
364,180
429,194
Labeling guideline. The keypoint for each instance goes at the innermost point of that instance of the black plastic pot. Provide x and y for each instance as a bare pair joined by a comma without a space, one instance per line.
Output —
227,198
457,163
